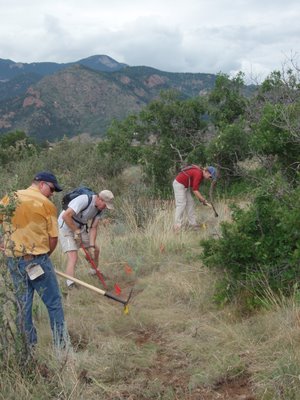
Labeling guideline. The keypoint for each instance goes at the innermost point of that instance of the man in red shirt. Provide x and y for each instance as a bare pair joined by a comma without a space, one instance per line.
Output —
190,177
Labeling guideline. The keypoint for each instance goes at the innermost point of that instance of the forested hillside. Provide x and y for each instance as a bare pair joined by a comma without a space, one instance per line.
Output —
83,98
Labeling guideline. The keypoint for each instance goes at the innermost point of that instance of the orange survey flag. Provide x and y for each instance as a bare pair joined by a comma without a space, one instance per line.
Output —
128,269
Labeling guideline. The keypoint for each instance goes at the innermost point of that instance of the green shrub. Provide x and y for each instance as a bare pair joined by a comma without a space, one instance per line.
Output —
261,246
15,146
14,349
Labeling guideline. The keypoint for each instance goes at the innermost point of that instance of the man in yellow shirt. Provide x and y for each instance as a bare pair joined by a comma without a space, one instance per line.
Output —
29,237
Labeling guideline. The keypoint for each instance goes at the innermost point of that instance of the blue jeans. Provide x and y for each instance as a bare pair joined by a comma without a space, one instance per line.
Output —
47,288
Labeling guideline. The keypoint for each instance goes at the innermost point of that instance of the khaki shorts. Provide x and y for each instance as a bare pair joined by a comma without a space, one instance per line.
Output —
67,242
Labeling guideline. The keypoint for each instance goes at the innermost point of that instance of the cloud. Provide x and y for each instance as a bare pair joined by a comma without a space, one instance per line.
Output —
173,35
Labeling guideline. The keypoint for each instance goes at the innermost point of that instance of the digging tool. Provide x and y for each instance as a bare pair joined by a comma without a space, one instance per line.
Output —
94,266
212,186
98,273
213,207
100,291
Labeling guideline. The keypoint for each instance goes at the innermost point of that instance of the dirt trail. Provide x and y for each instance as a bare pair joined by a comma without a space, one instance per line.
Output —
163,370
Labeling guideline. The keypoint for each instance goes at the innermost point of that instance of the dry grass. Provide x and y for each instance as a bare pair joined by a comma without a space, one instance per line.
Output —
175,343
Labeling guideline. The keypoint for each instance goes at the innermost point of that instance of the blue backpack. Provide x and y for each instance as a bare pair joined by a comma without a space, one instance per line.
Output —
75,193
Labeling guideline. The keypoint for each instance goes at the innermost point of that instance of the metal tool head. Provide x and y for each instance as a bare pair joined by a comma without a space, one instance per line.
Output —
124,302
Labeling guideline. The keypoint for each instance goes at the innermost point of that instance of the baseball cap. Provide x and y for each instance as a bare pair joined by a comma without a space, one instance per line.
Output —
48,177
107,197
213,172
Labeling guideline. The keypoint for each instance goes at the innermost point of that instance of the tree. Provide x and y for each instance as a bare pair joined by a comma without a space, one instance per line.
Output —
150,138
117,150
229,147
15,145
274,120
227,102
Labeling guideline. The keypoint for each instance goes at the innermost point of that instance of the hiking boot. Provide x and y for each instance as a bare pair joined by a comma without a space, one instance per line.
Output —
70,284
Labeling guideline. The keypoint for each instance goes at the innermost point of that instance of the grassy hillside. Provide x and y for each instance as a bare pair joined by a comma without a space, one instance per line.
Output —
176,342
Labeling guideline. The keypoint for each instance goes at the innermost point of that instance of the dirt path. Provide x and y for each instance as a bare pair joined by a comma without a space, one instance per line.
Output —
177,378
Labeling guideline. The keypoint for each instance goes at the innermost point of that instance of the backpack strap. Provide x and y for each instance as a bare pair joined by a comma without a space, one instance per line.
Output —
98,213
188,167
90,198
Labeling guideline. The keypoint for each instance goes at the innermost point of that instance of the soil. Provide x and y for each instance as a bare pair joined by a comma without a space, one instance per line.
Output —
239,388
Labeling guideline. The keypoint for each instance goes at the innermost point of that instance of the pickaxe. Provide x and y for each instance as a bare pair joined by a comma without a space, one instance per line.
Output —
100,291
213,207
94,266
212,186
98,273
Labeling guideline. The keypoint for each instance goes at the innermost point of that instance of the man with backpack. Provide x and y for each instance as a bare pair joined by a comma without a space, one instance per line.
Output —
78,224
189,179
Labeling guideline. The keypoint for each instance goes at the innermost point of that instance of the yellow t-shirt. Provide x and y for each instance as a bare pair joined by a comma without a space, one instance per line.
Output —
33,222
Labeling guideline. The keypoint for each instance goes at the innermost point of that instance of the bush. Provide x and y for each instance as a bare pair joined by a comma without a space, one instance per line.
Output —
14,349
15,146
261,246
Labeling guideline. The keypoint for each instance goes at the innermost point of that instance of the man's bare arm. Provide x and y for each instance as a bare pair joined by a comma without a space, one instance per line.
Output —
52,244
68,218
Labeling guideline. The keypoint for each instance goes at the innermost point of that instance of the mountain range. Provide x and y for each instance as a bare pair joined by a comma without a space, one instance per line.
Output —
51,100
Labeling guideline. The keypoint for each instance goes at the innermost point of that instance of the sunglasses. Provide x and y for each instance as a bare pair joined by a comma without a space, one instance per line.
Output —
52,189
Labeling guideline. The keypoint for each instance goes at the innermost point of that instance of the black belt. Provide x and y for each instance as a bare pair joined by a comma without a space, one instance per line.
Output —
29,257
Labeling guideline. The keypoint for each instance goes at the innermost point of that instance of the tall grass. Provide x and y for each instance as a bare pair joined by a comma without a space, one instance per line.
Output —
175,343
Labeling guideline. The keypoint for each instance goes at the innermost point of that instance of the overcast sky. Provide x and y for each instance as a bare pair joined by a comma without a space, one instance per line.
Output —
254,36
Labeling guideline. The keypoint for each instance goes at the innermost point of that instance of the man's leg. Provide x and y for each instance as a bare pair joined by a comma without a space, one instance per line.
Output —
48,289
180,203
190,209
24,292
71,264
69,246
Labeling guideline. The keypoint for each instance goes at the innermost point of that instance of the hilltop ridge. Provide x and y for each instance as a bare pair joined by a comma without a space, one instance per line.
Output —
48,100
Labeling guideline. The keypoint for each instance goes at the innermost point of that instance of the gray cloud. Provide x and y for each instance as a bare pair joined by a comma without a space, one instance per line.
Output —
178,36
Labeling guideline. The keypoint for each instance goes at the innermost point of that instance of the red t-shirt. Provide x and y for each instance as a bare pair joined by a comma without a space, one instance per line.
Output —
190,178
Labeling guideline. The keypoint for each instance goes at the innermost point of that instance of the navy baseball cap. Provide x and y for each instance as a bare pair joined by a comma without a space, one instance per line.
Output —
213,172
48,177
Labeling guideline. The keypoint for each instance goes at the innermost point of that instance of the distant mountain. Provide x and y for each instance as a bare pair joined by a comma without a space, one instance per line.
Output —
18,85
101,63
84,97
10,69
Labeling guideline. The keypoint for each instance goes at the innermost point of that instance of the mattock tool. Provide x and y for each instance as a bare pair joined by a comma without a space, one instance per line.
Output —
93,265
97,290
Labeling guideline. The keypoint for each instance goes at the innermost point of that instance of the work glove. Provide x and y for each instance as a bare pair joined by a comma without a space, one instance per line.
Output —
77,238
